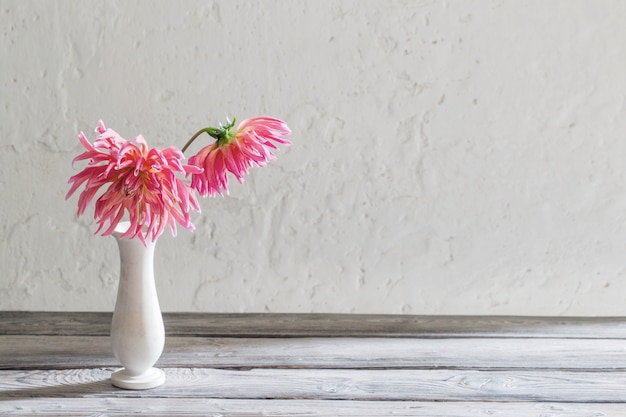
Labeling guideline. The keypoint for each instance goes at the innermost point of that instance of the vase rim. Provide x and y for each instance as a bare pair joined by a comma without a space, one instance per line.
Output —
121,228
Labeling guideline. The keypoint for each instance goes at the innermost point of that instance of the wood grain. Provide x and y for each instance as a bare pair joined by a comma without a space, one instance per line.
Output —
59,364
305,408
68,352
322,325
331,384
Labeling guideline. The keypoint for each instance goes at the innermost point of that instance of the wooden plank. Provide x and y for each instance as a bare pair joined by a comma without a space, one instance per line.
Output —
289,408
69,352
331,384
413,365
322,325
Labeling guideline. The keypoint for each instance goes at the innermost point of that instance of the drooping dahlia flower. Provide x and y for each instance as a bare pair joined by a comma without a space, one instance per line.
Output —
235,152
140,182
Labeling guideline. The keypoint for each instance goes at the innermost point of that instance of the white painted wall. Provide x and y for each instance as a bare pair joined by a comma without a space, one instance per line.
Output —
453,157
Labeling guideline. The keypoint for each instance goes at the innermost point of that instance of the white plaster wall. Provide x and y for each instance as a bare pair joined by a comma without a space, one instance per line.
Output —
449,157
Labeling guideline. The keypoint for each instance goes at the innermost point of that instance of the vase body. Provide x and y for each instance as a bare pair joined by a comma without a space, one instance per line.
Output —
137,332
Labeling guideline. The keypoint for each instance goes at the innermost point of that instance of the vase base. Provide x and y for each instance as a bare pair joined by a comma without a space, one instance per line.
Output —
152,378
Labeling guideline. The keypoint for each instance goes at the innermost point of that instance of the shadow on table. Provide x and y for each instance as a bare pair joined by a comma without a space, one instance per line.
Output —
60,390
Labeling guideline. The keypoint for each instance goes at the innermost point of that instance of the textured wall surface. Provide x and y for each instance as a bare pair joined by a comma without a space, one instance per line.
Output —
449,157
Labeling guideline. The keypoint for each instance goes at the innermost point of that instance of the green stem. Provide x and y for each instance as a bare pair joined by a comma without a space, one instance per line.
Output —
219,134
190,141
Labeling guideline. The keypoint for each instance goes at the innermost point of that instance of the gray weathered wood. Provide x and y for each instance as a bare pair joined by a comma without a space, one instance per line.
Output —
322,325
59,364
332,384
305,408
68,352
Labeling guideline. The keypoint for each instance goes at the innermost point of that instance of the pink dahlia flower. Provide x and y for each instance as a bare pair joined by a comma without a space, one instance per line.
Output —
140,182
236,152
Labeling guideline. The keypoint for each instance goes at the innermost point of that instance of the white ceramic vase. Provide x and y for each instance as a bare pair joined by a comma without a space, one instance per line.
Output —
137,332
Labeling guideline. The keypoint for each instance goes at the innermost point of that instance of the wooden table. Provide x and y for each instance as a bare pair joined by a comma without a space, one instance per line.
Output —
322,365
